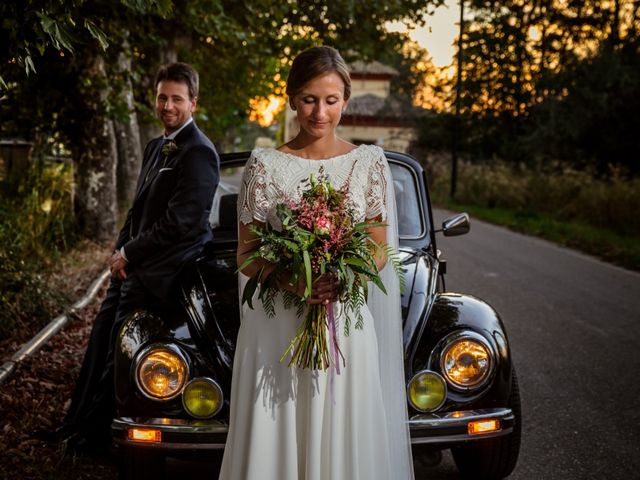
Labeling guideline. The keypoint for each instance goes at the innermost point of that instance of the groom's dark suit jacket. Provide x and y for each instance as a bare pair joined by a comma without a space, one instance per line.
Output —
168,224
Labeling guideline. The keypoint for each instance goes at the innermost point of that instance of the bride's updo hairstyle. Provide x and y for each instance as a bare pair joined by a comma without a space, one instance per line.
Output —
316,62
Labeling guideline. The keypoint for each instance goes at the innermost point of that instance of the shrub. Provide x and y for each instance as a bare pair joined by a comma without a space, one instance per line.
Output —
574,208
560,193
36,226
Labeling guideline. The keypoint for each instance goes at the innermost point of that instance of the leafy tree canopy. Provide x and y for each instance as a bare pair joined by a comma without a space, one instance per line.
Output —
546,82
241,49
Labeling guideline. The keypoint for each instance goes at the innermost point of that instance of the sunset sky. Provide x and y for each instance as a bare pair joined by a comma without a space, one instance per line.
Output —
438,35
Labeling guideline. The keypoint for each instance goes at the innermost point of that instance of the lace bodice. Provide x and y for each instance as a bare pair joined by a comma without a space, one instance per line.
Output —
271,176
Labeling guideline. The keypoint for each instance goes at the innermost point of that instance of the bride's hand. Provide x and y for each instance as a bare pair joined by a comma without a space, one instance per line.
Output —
284,283
326,289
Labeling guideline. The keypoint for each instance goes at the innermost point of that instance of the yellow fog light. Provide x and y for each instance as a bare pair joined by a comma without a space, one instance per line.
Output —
467,361
202,398
426,391
161,372
484,426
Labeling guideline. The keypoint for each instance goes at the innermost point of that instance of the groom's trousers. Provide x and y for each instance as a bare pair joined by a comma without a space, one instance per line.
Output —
93,401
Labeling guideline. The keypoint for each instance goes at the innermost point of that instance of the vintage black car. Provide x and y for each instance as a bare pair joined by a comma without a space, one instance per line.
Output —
173,374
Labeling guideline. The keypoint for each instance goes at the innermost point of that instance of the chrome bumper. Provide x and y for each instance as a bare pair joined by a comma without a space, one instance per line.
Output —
175,433
453,427
190,434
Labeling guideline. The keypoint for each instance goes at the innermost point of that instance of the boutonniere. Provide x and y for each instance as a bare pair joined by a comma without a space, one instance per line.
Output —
169,147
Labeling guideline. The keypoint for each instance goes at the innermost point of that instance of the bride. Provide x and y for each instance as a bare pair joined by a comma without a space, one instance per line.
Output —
298,424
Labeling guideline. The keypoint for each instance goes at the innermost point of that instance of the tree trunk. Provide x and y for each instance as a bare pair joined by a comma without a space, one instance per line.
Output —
615,24
128,140
149,131
129,160
95,154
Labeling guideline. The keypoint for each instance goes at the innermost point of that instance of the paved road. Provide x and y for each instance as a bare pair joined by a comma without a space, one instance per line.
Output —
574,327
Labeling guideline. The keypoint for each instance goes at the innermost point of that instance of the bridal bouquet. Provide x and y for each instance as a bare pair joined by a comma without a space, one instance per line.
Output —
318,236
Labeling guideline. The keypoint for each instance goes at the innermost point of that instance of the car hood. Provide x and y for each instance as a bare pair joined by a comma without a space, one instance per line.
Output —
421,281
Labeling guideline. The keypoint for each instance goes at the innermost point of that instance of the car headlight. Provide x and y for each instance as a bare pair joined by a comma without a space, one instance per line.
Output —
202,397
161,371
466,361
426,391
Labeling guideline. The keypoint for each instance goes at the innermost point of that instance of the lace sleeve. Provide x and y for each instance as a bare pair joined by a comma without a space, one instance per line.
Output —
377,187
252,199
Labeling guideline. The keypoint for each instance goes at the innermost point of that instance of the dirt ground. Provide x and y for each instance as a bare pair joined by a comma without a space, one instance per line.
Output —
37,395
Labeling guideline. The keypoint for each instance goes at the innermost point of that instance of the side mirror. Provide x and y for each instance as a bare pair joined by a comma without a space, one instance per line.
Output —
456,225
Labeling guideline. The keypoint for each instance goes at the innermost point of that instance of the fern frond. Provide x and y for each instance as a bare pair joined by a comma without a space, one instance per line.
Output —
268,301
300,307
359,320
393,256
288,299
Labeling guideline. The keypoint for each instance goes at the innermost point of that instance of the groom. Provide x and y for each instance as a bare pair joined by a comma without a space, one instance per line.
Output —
166,228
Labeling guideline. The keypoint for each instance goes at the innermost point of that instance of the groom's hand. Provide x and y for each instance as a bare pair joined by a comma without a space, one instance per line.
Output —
117,265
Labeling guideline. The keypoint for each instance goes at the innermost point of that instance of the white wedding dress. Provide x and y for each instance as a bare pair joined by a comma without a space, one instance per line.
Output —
294,424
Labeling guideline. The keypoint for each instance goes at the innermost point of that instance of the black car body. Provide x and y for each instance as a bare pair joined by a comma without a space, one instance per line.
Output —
461,383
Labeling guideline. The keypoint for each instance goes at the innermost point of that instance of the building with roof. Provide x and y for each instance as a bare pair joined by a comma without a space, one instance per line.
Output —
372,115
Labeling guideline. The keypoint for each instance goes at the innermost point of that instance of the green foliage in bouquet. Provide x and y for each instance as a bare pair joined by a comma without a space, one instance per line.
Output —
318,235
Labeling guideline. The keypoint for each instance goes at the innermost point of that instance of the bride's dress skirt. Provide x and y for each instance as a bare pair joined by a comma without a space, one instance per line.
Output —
293,424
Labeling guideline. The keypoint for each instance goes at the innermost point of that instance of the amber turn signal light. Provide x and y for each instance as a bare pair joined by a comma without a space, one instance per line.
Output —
483,426
144,435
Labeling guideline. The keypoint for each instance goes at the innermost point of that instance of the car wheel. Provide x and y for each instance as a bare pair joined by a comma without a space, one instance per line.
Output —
141,464
425,457
493,458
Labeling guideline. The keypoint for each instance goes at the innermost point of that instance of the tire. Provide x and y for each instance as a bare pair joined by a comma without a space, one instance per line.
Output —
141,464
493,458
425,457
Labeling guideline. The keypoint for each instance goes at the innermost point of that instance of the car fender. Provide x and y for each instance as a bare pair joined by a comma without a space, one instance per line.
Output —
139,330
453,312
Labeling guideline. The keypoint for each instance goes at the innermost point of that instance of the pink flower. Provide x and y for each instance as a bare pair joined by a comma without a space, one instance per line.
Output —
323,226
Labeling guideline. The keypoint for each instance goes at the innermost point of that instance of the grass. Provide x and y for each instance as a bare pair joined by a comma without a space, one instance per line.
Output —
602,243
574,208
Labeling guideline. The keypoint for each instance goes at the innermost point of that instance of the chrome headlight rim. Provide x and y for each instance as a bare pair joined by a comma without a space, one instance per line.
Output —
212,382
142,354
444,397
455,337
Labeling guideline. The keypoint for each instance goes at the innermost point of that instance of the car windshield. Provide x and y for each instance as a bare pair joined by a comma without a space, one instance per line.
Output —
411,224
408,204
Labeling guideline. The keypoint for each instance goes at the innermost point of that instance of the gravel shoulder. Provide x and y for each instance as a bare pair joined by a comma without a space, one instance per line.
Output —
38,393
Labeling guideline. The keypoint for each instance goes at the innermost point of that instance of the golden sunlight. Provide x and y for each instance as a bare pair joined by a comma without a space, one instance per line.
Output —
437,89
265,110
